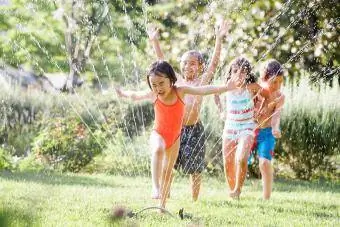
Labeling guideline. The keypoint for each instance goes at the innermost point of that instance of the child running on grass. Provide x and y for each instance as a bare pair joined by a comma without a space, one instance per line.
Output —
238,132
268,119
192,146
169,114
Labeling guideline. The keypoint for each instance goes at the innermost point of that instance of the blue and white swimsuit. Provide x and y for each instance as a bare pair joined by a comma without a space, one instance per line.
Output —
240,114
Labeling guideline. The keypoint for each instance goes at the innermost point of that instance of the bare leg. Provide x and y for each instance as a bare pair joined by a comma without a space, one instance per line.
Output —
168,164
229,148
267,177
158,149
195,185
242,153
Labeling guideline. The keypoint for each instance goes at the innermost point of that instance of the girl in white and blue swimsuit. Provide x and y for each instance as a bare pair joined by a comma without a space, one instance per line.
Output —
238,132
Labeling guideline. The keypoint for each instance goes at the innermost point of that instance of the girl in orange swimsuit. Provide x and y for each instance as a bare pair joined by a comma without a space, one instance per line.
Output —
169,113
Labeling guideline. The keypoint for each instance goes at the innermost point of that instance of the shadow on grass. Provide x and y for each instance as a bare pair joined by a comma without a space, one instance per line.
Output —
54,179
291,185
10,217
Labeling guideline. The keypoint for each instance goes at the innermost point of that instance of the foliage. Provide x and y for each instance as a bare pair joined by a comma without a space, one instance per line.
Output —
310,135
105,32
31,164
123,156
84,123
18,113
300,34
137,118
68,143
5,160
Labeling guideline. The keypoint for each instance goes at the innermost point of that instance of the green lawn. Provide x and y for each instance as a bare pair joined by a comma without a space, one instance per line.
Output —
87,200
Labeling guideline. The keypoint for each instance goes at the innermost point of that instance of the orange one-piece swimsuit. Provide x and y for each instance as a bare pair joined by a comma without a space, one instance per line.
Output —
169,120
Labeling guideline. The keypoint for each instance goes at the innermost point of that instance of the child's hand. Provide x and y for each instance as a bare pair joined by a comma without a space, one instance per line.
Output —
223,29
232,82
152,32
276,133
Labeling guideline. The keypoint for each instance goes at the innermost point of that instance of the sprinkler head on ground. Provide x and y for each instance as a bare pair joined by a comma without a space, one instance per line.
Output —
183,215
119,212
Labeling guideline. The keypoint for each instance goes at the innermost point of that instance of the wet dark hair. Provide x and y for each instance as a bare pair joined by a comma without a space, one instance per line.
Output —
196,54
271,69
243,63
161,68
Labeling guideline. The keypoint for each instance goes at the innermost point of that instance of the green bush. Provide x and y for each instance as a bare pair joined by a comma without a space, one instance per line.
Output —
31,164
18,115
5,160
124,156
68,144
309,142
136,118
310,130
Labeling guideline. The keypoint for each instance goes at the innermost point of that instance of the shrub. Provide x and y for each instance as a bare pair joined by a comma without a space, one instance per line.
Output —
5,160
68,144
124,156
137,118
30,164
309,142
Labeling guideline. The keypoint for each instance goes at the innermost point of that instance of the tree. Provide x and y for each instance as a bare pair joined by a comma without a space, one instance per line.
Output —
83,20
54,36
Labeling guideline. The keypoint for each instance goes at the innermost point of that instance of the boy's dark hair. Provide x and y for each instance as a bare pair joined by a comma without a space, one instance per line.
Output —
243,63
271,69
162,68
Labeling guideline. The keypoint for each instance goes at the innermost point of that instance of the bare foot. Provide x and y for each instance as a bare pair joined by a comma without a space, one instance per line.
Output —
235,194
155,194
161,210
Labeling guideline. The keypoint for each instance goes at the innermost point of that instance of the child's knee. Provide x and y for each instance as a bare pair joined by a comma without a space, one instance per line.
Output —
265,164
241,160
158,150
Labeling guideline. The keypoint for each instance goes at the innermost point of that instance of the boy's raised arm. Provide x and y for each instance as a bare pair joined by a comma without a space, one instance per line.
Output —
153,37
221,31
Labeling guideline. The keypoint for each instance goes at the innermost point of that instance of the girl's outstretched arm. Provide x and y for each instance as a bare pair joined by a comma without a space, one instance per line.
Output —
153,37
135,95
221,31
207,89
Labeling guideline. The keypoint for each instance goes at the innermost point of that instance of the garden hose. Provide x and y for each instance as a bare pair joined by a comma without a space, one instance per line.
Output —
181,213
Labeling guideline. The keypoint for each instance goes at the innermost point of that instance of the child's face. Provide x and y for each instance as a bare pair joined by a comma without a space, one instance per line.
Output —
274,83
160,85
239,75
190,66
